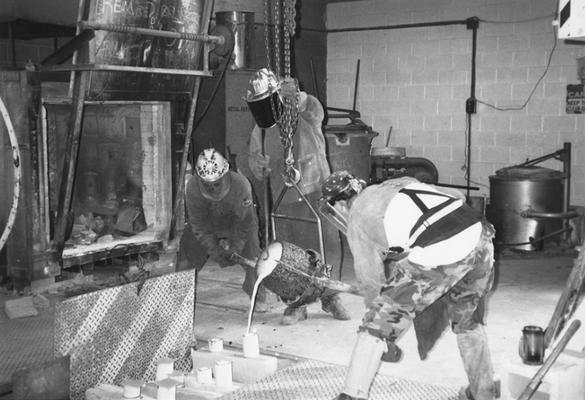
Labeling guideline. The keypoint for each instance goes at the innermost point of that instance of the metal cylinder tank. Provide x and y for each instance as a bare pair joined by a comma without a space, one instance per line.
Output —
516,195
241,24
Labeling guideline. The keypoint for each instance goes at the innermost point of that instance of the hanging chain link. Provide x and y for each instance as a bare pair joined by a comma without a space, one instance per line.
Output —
287,113
289,28
277,46
290,113
267,33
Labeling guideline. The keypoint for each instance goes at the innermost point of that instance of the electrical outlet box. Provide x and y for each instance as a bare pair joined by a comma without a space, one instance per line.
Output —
470,106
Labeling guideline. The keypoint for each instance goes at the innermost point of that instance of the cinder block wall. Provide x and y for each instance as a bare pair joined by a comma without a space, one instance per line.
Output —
418,79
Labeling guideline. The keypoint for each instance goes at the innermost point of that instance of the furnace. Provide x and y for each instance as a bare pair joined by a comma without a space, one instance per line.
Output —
122,196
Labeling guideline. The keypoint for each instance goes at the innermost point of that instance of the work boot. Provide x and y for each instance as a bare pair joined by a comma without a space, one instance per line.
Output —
292,315
475,354
364,364
333,306
344,396
464,394
394,353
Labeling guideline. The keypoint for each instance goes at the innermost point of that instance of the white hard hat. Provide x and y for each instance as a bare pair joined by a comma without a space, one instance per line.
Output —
211,165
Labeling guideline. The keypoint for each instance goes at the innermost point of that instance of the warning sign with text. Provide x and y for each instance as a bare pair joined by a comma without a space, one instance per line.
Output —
575,99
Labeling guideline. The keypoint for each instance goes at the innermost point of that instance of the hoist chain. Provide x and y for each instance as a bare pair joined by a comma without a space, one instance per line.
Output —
289,28
290,113
277,22
289,110
288,126
267,33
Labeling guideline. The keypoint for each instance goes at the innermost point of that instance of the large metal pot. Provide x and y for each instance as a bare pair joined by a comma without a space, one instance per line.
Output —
526,204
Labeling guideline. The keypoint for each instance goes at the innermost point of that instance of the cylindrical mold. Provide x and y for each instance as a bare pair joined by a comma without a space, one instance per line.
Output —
241,24
251,345
215,345
164,367
191,381
222,370
204,375
517,190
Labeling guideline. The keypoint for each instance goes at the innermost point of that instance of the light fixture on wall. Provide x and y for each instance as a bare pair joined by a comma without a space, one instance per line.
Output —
571,19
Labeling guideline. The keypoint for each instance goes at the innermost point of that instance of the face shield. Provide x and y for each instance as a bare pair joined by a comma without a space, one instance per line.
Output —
334,215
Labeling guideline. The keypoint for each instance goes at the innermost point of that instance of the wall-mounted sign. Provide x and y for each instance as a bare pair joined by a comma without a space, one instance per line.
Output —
575,99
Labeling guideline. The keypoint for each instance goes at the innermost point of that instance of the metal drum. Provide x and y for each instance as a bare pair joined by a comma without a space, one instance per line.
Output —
241,23
129,50
285,282
521,199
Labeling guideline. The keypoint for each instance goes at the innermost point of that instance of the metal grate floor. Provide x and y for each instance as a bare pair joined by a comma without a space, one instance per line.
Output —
23,343
315,380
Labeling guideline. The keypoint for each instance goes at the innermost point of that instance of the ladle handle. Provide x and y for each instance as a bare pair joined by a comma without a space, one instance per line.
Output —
323,282
551,215
242,260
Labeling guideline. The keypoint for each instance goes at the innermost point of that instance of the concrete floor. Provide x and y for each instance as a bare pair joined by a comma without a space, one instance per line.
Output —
527,289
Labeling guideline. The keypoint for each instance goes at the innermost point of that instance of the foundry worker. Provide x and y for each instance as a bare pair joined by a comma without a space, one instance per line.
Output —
439,255
310,161
222,218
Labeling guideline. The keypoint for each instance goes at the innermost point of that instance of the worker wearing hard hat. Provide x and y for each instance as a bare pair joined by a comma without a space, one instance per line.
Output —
222,217
440,256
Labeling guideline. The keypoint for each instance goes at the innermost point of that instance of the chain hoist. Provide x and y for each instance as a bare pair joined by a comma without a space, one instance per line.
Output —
277,32
267,33
287,113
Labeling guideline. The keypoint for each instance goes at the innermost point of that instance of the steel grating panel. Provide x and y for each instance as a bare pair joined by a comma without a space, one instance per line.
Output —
119,333
25,342
316,380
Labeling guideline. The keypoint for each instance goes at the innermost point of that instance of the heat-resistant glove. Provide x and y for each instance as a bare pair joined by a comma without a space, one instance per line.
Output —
259,166
220,255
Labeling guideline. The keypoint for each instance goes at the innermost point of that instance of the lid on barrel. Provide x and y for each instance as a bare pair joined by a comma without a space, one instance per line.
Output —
349,129
388,151
527,172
